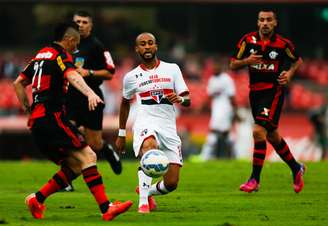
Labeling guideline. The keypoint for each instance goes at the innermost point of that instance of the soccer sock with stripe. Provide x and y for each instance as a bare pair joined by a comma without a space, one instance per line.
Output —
144,185
284,152
59,181
258,159
158,189
94,181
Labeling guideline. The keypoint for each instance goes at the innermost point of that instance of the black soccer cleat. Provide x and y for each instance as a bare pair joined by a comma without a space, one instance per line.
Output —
113,158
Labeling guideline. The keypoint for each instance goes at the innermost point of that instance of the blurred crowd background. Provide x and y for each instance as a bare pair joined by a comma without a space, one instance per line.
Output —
193,34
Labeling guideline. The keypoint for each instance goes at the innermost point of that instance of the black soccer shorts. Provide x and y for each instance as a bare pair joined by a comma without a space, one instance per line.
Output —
56,136
266,106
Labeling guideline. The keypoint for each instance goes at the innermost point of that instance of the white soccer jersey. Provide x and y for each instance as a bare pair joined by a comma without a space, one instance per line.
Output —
150,88
155,115
221,88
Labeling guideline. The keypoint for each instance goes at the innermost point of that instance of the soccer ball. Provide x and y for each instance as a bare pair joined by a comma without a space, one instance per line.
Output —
154,163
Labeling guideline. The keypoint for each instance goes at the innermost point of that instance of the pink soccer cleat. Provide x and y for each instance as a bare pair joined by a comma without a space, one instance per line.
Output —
116,209
151,201
298,180
144,209
250,186
36,208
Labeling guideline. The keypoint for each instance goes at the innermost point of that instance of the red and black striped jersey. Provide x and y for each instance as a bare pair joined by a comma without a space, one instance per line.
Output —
47,73
277,53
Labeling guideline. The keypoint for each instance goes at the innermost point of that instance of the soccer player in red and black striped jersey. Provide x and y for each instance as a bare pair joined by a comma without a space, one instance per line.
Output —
95,64
266,55
59,140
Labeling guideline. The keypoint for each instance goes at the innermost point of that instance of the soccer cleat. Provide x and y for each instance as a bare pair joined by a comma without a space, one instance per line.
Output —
151,201
114,159
144,209
250,186
69,188
36,208
116,209
298,179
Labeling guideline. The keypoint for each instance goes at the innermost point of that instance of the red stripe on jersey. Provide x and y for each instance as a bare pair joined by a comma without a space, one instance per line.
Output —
260,86
247,38
275,102
44,83
38,111
143,67
69,58
67,130
148,93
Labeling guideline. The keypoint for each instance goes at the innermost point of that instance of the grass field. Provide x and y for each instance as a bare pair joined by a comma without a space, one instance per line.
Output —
207,195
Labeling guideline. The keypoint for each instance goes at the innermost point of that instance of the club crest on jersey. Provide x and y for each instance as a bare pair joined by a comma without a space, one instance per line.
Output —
273,54
157,95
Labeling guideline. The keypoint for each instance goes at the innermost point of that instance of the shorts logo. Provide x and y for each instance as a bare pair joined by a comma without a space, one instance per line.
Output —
157,95
144,132
265,112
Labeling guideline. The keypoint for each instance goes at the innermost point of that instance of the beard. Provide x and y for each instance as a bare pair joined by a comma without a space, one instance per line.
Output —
147,56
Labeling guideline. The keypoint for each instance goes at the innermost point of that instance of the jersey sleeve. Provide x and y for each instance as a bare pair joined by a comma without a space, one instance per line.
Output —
65,63
129,86
239,52
104,58
290,51
28,71
180,86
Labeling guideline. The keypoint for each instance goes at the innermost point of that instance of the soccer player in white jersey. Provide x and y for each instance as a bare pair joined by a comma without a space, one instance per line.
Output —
221,89
157,85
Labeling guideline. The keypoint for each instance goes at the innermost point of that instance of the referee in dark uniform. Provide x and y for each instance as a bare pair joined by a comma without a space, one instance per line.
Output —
267,55
95,64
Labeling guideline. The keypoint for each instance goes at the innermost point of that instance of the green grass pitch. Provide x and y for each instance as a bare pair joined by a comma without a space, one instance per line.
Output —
207,195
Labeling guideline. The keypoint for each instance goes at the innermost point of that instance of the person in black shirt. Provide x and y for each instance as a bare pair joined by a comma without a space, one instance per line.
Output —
265,53
95,64
49,73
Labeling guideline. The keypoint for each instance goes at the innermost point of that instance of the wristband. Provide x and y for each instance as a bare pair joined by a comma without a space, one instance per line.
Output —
182,100
91,72
122,133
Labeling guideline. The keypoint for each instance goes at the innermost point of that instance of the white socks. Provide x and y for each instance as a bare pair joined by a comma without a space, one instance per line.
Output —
158,189
144,185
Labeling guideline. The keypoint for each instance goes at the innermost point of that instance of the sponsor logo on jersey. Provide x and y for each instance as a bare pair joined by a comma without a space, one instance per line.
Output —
266,66
44,55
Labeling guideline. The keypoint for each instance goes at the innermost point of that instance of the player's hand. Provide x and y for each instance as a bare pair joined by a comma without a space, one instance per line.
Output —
254,59
83,72
174,98
284,78
120,145
94,100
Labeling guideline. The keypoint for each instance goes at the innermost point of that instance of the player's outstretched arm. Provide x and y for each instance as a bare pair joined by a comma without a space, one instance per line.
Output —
19,84
123,117
77,81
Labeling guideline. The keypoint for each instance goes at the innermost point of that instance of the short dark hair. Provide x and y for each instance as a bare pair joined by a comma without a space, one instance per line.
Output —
61,28
82,13
269,10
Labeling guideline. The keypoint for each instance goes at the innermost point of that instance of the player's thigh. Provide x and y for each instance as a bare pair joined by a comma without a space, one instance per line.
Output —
170,144
144,139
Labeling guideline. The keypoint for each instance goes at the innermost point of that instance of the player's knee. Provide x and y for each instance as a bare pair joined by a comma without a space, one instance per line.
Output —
259,133
171,186
89,156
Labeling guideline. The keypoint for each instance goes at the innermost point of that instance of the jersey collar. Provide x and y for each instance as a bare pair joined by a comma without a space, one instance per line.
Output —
143,67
